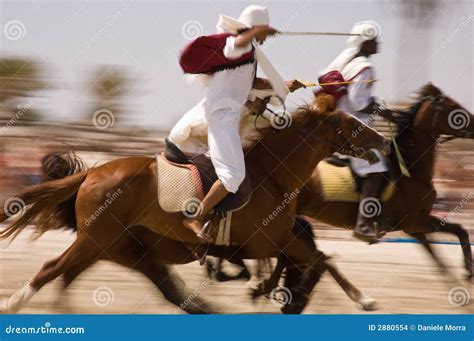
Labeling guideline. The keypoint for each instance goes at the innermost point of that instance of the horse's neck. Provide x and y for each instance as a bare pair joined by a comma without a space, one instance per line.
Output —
287,158
418,149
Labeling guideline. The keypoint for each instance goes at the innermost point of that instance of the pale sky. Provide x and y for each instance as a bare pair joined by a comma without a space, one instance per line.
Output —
72,37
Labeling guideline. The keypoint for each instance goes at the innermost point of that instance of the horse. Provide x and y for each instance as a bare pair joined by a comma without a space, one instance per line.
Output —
409,208
115,211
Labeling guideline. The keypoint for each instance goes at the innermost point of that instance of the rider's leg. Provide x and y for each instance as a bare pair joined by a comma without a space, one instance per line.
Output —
227,158
371,189
212,198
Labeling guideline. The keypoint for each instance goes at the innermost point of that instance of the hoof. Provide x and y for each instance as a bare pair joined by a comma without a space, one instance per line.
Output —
367,304
296,305
6,308
262,288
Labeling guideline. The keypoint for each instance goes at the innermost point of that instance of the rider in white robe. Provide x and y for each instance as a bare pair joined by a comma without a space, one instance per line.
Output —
221,109
354,64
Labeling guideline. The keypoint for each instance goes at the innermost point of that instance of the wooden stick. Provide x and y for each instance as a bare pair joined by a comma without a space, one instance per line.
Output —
338,83
293,33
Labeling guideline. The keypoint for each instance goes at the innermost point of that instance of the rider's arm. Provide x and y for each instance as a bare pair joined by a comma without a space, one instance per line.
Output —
245,38
232,51
263,84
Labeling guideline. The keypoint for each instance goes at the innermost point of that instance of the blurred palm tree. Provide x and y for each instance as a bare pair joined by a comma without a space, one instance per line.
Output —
109,86
20,80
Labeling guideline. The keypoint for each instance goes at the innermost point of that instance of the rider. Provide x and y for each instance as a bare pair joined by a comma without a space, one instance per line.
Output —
354,65
223,105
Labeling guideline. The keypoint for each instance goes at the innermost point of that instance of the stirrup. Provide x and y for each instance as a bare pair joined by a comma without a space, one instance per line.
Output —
207,226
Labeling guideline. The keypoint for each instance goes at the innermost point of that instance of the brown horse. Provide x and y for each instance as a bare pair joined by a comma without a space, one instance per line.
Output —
409,209
115,211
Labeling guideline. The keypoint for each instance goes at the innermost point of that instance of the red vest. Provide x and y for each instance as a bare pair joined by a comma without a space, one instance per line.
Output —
206,55
337,90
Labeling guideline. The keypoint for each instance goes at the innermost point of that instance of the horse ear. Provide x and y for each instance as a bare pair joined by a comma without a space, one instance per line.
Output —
431,89
324,103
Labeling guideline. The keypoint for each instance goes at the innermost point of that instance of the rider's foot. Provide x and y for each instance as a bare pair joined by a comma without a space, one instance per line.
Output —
365,233
195,225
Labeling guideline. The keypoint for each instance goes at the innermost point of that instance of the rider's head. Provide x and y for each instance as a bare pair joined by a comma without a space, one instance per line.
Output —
365,39
369,47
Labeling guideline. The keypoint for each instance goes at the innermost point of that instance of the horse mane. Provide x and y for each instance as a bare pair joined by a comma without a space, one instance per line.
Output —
426,91
323,106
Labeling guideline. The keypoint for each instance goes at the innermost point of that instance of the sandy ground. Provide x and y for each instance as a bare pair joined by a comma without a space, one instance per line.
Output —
399,276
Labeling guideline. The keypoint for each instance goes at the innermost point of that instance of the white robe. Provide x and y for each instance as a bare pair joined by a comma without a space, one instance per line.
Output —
359,97
218,115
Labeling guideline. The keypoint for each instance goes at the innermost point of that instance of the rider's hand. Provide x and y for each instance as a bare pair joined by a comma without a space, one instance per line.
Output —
256,107
294,85
266,30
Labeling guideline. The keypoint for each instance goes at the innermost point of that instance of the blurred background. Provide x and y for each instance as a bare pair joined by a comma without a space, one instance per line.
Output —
102,78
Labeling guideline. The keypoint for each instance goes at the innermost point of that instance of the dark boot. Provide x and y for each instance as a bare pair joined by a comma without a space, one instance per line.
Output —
370,207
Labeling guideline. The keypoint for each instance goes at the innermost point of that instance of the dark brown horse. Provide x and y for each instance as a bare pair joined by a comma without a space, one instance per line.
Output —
115,211
409,209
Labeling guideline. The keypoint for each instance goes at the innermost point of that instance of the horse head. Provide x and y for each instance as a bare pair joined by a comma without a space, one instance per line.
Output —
353,137
441,115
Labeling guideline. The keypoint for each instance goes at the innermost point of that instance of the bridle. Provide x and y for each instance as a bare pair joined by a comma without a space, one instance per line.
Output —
437,103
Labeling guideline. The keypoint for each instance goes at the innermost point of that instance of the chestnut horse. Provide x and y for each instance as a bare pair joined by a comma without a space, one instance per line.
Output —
115,210
409,209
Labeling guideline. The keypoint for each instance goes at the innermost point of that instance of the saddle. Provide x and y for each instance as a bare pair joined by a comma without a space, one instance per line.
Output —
341,184
184,180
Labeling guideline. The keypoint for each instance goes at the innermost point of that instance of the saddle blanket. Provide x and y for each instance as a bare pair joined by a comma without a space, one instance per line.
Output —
339,184
180,189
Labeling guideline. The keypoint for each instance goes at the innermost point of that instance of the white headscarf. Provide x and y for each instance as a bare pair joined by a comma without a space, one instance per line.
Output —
251,16
368,30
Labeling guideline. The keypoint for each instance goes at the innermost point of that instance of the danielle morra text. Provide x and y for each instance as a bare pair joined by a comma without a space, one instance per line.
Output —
440,328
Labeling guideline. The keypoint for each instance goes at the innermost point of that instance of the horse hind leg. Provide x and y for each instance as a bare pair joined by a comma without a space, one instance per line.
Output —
81,253
169,283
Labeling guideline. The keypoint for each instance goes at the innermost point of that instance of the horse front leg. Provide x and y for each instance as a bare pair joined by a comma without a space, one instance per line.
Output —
425,242
364,302
463,236
435,224
267,285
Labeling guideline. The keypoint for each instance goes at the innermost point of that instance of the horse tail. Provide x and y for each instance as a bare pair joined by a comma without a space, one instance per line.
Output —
50,204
